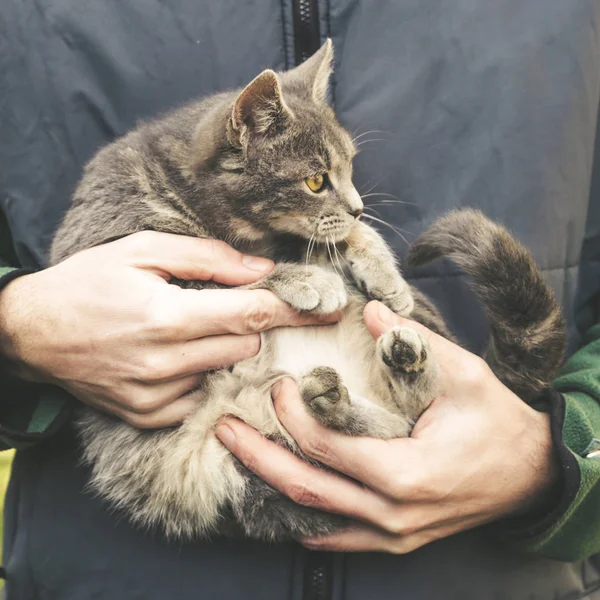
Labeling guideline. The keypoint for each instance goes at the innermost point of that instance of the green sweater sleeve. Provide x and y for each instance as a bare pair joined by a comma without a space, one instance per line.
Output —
574,532
29,412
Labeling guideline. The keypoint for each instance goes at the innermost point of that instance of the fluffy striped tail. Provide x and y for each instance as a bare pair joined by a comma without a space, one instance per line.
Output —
527,328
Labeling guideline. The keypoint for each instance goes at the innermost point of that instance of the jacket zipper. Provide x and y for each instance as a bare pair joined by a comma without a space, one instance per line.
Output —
307,37
318,572
318,569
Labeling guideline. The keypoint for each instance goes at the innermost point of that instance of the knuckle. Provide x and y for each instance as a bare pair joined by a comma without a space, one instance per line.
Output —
162,320
475,373
404,546
301,492
140,402
319,544
249,460
408,483
141,242
400,526
154,368
215,248
215,252
250,345
259,315
316,447
137,420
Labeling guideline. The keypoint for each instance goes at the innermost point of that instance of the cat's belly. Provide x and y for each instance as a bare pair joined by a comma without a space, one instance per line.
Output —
346,347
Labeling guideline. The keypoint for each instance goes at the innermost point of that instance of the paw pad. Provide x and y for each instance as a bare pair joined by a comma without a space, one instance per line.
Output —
404,349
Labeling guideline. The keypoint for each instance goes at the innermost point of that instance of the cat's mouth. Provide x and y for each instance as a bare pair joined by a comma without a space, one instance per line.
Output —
333,228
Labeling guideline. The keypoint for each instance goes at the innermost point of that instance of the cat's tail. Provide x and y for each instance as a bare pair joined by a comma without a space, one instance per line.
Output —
527,328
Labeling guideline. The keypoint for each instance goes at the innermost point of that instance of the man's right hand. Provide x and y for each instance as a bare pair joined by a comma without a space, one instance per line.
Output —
106,325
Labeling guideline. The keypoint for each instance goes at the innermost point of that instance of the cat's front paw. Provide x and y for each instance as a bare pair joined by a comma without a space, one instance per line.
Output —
404,350
308,288
400,301
382,282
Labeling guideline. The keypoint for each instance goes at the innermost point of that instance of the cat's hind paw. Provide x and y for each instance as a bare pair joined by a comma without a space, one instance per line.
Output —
404,350
325,395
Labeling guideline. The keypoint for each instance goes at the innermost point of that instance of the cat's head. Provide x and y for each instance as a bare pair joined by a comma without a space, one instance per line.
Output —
289,161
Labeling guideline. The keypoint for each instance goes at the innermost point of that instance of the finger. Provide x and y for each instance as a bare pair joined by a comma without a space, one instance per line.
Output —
452,359
213,312
193,258
217,352
365,538
379,318
149,397
302,483
170,415
358,538
188,360
379,464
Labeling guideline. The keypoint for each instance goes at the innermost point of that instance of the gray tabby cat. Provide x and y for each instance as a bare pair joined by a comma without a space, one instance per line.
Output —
268,169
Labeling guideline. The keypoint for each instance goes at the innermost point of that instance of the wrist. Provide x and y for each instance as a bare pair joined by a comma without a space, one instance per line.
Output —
543,466
13,311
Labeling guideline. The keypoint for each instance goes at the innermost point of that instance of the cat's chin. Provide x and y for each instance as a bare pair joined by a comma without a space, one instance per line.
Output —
332,238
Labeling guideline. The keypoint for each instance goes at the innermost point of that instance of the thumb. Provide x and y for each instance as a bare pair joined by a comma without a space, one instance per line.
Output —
379,318
191,258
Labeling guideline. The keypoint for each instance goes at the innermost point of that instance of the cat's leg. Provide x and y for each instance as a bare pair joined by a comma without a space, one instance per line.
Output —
406,358
330,402
375,269
307,288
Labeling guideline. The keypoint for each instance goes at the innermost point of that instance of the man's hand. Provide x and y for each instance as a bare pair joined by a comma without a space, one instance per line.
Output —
105,324
478,453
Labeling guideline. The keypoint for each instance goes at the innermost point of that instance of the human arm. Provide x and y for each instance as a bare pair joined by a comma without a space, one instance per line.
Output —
106,326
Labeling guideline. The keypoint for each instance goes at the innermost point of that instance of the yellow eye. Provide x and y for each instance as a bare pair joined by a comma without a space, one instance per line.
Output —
316,183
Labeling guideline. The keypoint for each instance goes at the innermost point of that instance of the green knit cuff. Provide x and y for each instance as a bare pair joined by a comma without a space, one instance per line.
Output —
576,534
29,412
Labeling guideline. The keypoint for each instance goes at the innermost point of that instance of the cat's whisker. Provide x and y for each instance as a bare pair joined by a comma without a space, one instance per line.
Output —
336,256
391,203
340,256
372,140
396,230
331,256
309,249
369,208
371,188
386,194
367,133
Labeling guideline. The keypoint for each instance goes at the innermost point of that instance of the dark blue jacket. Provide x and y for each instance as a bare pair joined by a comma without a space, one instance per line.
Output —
470,103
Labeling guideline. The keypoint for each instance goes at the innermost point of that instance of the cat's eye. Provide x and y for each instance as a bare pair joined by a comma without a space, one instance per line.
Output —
316,183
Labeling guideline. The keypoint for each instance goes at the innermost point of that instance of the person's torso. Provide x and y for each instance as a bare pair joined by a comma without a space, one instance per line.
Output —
491,105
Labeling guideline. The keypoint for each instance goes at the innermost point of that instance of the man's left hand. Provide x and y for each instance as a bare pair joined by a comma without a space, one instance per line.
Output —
477,454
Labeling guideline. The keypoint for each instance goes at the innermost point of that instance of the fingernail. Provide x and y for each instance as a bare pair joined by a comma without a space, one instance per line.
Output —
226,435
386,316
257,263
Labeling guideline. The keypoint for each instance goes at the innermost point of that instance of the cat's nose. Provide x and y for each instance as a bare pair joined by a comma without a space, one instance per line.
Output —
356,213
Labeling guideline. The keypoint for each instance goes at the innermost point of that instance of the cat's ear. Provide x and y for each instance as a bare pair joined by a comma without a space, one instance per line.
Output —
313,74
259,109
